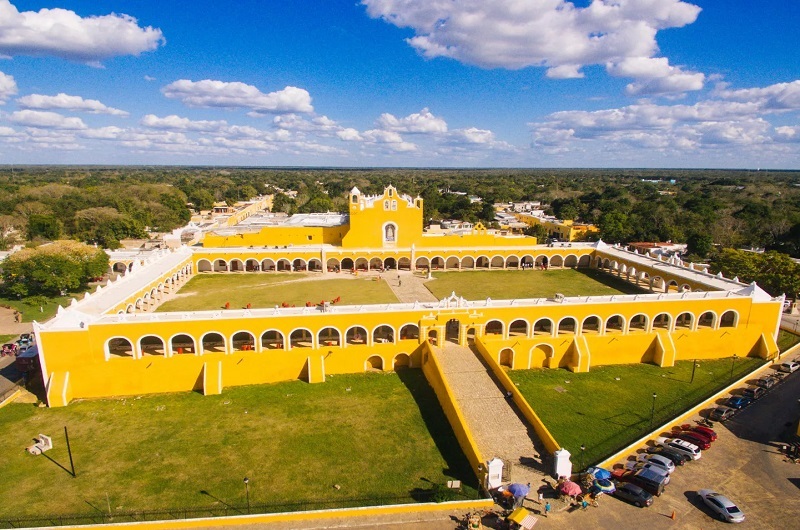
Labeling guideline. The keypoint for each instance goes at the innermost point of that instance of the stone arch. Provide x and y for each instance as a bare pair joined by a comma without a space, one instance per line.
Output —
404,264
512,262
672,286
658,284
518,328
422,263
606,263
301,338
571,261
314,265
707,320
299,265
685,288
591,325
482,262
329,336
374,364
119,348
152,346
662,321
390,263
598,263
527,261
497,262
362,264
542,261
494,327
615,324
333,265
213,342
684,321
130,308
541,355
637,323
119,267
409,332
567,326
401,360
383,334
203,265
584,261
543,326
243,341
467,262
437,263
220,265
283,265
268,265
251,265
347,264
236,265
452,263
272,339
556,261
356,335
182,343
506,358
375,264
433,336
729,319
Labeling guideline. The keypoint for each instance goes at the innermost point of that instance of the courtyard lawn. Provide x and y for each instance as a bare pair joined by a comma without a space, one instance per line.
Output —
786,340
212,291
505,285
610,406
373,435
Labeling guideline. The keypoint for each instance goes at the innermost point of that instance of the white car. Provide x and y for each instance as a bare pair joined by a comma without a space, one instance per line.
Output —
681,446
657,460
789,366
722,506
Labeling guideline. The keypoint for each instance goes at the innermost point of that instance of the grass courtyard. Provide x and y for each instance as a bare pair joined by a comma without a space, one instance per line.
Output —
372,434
504,285
212,291
610,406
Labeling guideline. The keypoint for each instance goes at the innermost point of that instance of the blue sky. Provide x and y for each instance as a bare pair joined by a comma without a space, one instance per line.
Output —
501,83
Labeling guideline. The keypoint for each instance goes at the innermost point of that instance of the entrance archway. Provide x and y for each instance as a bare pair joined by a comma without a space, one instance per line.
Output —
507,358
452,330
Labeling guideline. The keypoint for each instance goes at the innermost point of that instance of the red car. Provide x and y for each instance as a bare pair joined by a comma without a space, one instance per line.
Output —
694,438
9,349
705,431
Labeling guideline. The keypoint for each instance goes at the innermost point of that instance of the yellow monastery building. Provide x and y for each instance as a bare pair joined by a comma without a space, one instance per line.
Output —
111,343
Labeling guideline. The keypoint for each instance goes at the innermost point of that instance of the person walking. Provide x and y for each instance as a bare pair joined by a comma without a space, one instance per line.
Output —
547,509
541,497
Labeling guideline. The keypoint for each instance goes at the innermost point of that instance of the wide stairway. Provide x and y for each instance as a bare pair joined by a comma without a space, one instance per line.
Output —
496,424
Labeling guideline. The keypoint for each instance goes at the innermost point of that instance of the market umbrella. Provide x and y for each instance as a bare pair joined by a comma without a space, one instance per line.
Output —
519,490
599,473
570,488
603,486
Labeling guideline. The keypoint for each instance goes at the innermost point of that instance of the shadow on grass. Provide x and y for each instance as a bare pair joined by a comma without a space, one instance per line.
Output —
458,467
611,281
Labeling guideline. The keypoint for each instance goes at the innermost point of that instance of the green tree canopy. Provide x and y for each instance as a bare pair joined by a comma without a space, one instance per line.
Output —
774,272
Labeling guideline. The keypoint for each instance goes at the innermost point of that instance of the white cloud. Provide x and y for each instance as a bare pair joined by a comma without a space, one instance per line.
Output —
211,93
45,120
787,133
349,135
655,76
62,33
389,139
419,122
780,96
149,78
554,34
299,123
65,102
177,123
8,87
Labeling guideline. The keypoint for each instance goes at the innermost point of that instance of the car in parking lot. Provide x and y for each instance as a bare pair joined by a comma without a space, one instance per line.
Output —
753,392
738,402
767,382
722,506
676,458
705,431
722,413
694,438
633,494
10,349
789,366
658,461
681,446
636,466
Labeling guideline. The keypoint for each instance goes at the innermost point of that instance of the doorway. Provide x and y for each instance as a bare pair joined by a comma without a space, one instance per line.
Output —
452,330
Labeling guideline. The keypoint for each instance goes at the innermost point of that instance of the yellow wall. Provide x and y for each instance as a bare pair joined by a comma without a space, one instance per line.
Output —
565,230
367,223
271,236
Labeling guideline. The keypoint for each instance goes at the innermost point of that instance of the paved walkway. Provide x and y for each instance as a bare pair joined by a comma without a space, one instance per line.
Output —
498,427
408,287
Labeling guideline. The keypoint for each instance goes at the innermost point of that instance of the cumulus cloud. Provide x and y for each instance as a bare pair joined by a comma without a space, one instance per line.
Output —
45,120
554,34
389,139
62,33
65,102
418,122
780,96
177,123
349,135
8,87
655,76
212,93
320,124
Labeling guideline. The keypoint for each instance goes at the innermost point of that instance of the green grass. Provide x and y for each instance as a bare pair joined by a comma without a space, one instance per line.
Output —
212,291
7,338
504,285
372,434
605,414
48,309
786,340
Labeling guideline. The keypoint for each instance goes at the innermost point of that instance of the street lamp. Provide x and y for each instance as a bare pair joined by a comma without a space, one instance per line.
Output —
583,448
247,492
694,367
733,363
653,410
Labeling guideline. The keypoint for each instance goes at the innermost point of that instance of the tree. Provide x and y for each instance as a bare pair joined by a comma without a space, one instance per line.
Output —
201,199
44,226
52,269
699,244
774,272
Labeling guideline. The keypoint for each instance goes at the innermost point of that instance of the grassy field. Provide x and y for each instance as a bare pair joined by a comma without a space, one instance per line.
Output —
504,285
786,340
610,406
293,440
48,308
212,291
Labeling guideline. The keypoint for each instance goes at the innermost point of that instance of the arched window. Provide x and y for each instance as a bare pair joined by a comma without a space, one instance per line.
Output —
494,327
684,321
120,347
728,319
638,323
615,324
390,233
706,320
566,326
543,326
591,325
518,328
661,321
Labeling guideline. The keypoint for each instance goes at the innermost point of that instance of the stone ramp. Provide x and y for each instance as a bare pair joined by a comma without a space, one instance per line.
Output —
497,426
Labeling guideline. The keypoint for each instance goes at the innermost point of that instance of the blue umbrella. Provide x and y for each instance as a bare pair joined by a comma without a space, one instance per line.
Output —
599,473
519,490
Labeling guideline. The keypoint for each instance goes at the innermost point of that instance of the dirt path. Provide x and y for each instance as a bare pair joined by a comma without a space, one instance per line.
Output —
9,327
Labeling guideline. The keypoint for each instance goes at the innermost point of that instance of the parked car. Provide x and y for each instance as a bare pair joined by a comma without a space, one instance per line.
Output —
27,361
678,459
647,479
767,382
694,438
681,446
633,494
789,366
722,413
738,402
753,392
636,466
705,431
25,336
722,506
9,349
657,460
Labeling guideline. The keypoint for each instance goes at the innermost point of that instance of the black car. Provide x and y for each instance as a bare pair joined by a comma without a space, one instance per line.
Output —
674,457
767,382
633,494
